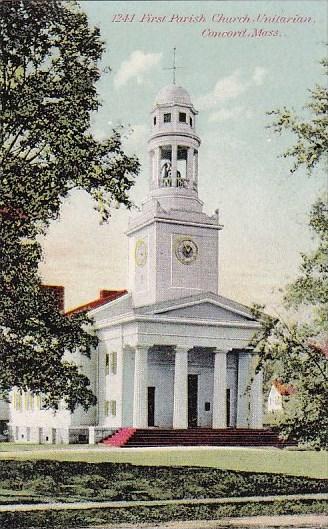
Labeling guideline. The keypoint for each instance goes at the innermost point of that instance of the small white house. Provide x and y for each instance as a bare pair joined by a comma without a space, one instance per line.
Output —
278,393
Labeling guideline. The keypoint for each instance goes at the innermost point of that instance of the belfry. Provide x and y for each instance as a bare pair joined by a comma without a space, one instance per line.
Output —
173,353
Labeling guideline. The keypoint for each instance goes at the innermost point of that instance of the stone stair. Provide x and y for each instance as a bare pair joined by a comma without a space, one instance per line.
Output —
119,438
200,437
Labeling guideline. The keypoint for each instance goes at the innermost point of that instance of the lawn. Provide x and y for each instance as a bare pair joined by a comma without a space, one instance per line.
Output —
292,462
30,478
62,481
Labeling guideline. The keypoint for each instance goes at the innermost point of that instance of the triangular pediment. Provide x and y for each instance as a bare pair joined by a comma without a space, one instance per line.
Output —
198,308
215,308
204,311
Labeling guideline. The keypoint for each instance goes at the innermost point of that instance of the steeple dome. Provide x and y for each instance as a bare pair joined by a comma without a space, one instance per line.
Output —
173,94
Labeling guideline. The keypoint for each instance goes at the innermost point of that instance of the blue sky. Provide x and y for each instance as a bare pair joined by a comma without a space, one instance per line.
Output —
233,82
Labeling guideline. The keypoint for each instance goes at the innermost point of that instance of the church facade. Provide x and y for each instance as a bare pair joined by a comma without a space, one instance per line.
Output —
173,352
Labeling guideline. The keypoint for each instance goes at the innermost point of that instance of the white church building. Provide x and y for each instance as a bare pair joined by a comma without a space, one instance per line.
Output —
172,353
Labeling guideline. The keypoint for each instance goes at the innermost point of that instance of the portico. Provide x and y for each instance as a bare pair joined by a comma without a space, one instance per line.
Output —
204,384
181,363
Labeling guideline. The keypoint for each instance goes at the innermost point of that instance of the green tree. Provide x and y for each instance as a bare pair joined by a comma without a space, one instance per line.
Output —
49,66
296,350
311,134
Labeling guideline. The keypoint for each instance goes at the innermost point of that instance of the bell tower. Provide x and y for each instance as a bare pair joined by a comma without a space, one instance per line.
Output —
173,245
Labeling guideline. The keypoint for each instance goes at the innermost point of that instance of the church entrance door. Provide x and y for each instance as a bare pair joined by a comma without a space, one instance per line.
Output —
192,401
151,406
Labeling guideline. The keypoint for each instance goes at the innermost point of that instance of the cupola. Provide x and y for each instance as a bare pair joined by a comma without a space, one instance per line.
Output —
173,144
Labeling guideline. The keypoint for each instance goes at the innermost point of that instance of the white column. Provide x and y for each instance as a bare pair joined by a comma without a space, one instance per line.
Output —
140,397
151,168
158,166
101,352
174,164
256,401
196,168
233,391
92,435
190,159
180,405
244,360
220,390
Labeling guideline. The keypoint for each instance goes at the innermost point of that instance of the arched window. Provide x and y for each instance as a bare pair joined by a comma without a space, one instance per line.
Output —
166,166
182,166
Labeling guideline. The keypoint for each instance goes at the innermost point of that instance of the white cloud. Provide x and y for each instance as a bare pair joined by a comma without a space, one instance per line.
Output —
227,88
135,67
225,114
231,87
259,75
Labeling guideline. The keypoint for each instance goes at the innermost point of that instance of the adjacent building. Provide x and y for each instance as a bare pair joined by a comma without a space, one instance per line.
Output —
278,394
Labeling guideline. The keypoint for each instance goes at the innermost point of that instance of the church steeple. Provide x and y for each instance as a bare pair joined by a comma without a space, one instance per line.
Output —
173,244
173,144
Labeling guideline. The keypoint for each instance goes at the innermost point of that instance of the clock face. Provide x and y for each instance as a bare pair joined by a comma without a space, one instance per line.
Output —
140,253
186,250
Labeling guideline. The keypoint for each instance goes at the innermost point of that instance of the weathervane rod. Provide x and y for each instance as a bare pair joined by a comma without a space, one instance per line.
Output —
174,68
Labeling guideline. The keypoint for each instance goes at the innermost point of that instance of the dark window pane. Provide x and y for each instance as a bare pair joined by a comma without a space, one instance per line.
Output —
167,118
182,117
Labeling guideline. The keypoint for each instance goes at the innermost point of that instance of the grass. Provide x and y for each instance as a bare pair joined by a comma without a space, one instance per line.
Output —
54,481
292,462
43,481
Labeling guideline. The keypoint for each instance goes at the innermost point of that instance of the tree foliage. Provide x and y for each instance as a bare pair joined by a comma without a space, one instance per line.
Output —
311,133
49,66
295,350
311,287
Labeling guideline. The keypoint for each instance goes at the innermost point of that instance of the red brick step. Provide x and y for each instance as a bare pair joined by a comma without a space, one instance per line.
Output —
196,437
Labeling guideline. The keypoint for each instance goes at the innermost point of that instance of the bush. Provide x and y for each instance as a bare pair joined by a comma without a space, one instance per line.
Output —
128,482
46,484
15,483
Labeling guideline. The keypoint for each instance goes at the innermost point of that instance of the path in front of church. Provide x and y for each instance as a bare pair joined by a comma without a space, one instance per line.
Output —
301,521
290,521
86,505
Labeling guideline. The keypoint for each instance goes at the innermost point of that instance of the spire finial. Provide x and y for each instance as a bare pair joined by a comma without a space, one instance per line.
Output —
174,68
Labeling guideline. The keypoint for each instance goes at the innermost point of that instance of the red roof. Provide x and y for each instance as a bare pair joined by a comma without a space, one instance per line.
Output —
284,389
104,297
319,347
